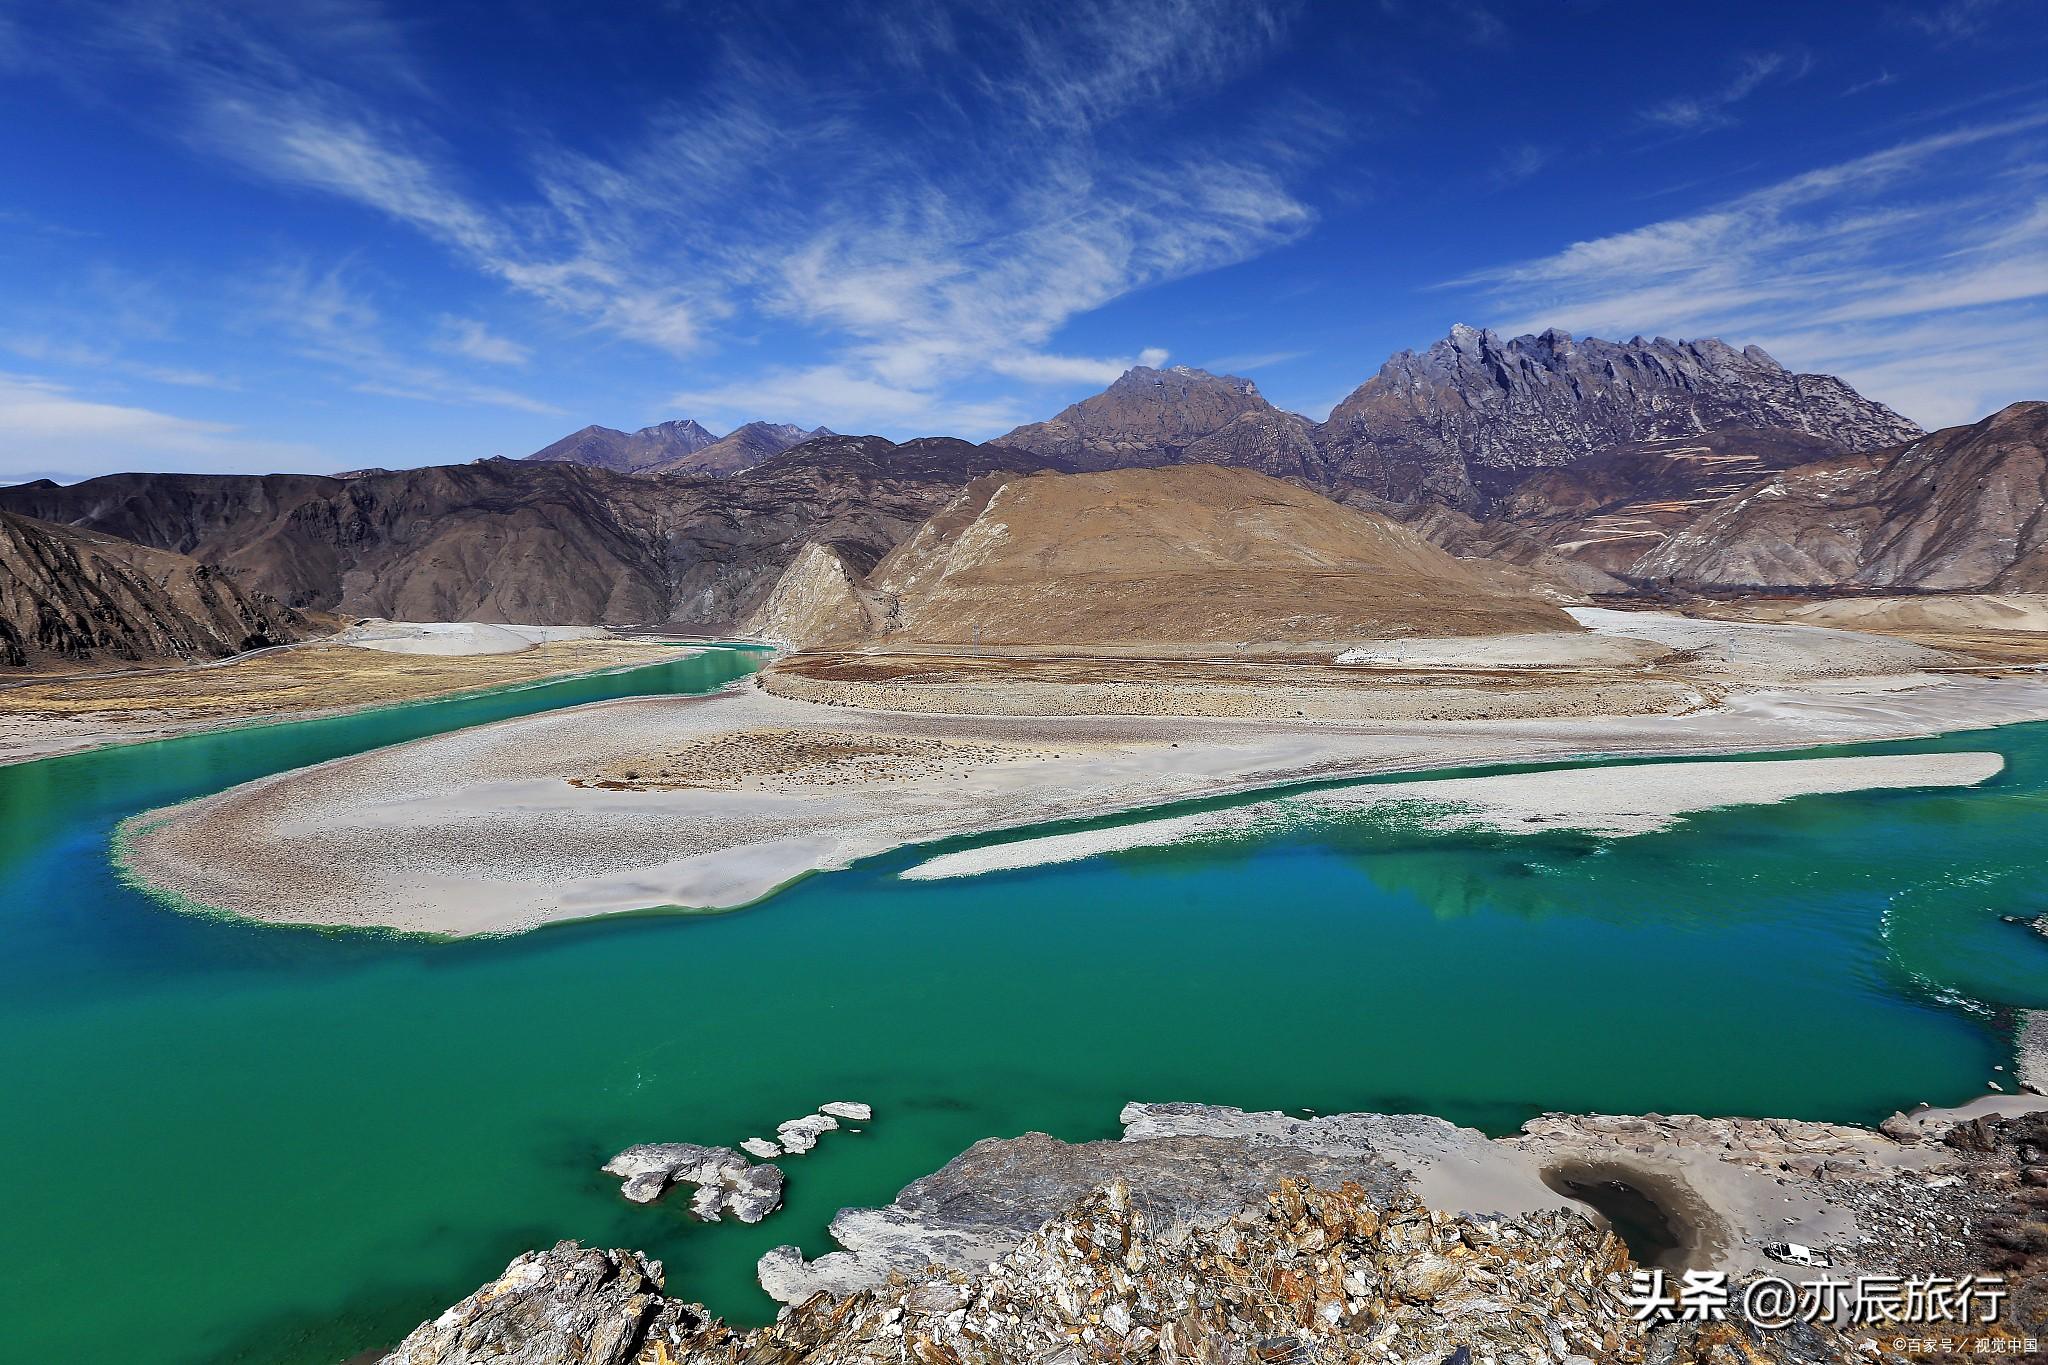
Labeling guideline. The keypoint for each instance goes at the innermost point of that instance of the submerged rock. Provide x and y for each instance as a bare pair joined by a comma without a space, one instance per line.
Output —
726,1181
800,1135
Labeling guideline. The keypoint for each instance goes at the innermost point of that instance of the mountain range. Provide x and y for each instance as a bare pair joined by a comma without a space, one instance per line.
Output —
678,447
548,542
1605,466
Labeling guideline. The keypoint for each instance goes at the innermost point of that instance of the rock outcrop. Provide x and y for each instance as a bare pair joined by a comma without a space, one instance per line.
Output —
1962,509
726,1182
853,1111
70,598
818,600
1725,1189
986,1200
799,1135
1216,1235
570,1305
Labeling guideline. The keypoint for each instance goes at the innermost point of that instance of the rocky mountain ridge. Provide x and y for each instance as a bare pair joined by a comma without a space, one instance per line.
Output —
1464,421
1146,417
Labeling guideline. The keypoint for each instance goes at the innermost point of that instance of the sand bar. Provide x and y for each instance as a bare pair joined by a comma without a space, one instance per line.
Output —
1608,801
713,802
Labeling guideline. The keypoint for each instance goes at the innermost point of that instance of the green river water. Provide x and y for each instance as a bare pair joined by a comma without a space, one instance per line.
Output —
222,1142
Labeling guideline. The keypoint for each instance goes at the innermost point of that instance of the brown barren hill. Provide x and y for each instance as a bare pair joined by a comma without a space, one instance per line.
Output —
1959,510
1187,560
70,598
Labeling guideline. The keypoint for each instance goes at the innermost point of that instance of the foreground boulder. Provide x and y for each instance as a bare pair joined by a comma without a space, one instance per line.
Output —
1311,1274
571,1305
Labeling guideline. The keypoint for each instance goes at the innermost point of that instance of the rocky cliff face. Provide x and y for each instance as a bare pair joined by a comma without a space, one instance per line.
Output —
628,452
1964,508
1463,421
70,597
1147,417
545,542
817,600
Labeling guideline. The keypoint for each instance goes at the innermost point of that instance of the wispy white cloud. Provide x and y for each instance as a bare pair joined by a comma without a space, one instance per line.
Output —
856,402
111,323
1083,66
1038,368
1028,191
1952,21
45,425
331,323
47,350
1897,262
1882,78
1260,360
1521,162
472,339
1697,113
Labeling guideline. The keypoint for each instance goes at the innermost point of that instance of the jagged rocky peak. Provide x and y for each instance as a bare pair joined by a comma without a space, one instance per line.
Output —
680,429
1462,420
680,446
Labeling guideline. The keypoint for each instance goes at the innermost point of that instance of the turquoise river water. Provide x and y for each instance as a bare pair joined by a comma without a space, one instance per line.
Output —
222,1142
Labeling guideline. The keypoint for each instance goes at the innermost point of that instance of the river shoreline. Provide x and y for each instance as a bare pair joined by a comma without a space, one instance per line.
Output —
57,716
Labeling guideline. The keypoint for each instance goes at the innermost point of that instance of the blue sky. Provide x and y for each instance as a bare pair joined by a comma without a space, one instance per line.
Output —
319,234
